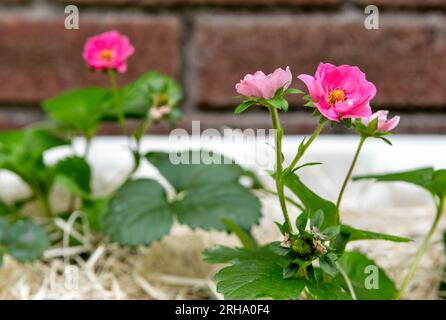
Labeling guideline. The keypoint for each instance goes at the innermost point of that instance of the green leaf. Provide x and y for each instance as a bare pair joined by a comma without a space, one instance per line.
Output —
151,89
21,152
418,177
290,270
327,291
332,232
356,234
2,253
25,240
306,165
278,103
205,206
222,254
317,219
78,110
293,91
311,200
4,209
138,213
187,169
360,270
95,211
438,183
74,174
328,264
243,235
243,106
302,221
257,279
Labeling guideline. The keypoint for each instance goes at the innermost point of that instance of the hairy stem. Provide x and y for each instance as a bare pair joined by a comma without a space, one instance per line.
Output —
278,174
421,250
117,100
348,176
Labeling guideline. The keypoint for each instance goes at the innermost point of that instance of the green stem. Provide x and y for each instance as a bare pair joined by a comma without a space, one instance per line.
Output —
347,281
421,250
278,175
142,128
117,100
301,152
348,176
43,203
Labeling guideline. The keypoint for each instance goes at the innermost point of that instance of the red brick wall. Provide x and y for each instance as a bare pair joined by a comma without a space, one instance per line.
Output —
208,45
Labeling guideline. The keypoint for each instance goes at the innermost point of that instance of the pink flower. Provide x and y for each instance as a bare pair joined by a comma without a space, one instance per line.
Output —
384,125
264,86
157,113
108,50
340,92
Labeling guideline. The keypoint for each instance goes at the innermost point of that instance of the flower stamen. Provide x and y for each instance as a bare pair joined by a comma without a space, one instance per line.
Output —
106,55
336,95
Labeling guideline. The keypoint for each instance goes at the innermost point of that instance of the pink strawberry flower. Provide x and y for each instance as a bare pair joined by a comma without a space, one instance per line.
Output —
108,50
260,85
340,92
384,125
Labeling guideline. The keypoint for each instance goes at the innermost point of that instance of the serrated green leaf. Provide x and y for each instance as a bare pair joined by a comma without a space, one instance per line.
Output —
188,169
356,266
205,206
78,110
327,291
257,279
311,200
138,213
25,240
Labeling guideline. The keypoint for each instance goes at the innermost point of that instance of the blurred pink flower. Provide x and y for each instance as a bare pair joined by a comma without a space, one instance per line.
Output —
157,113
108,50
340,92
384,125
264,86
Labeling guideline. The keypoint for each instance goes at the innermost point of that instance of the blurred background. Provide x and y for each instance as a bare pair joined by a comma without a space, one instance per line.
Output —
208,45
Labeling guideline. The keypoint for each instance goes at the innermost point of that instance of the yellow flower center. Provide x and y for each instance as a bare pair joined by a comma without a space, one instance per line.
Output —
106,55
336,95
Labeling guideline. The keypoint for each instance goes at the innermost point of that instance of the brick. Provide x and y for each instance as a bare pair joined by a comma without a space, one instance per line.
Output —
211,2
404,3
14,117
404,58
40,57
